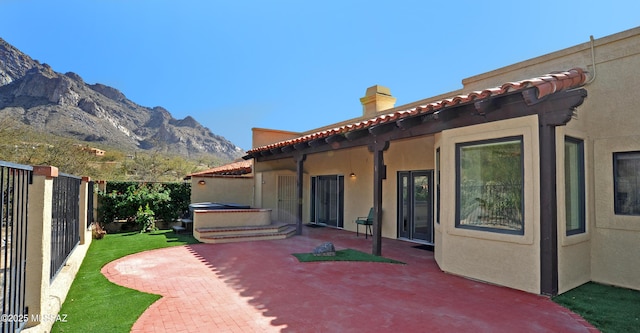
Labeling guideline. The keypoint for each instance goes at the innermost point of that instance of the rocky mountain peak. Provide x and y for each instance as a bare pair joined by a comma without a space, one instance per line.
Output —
109,92
64,104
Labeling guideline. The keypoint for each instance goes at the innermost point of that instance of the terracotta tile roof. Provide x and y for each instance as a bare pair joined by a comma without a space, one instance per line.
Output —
236,168
545,85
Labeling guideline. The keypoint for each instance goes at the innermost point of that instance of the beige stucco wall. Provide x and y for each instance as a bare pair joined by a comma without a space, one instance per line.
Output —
615,255
265,136
402,155
223,189
608,121
574,251
505,259
358,191
613,118
266,183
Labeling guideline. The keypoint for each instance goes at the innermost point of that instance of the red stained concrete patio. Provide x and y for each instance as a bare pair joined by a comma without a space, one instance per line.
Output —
260,287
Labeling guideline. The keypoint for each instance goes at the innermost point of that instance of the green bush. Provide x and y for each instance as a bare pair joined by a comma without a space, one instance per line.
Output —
145,219
122,200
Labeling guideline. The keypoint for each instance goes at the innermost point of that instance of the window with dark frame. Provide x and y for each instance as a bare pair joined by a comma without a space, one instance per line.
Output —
489,185
574,178
626,174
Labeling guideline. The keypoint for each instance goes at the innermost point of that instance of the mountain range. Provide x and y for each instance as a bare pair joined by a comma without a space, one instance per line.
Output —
63,104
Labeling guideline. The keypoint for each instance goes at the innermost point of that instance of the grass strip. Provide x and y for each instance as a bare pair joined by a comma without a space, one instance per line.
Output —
94,304
610,309
345,255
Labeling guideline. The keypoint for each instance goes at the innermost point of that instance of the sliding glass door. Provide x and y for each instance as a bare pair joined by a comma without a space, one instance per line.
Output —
327,200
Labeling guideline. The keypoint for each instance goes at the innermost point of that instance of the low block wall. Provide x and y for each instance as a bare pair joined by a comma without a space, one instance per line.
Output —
231,218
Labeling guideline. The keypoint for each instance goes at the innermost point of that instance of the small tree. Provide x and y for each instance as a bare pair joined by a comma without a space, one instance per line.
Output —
145,219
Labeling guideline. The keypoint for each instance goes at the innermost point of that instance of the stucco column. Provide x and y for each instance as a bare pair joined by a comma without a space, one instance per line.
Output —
39,239
83,210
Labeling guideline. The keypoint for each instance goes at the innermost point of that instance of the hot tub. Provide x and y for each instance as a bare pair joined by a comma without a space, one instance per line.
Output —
214,206
218,215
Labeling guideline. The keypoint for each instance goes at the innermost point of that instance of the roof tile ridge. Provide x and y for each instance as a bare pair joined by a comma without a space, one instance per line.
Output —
545,85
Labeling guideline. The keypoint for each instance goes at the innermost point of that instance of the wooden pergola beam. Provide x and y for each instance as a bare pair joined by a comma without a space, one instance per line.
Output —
495,109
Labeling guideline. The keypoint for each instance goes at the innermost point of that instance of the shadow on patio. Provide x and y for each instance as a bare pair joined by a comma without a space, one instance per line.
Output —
366,297
261,287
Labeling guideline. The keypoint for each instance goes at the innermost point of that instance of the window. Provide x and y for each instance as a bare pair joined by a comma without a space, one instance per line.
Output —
626,170
574,185
489,185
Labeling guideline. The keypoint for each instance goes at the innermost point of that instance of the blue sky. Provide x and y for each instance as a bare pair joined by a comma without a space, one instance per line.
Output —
294,65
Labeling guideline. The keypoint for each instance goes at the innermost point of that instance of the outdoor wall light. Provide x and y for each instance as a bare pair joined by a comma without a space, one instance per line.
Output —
201,182
352,175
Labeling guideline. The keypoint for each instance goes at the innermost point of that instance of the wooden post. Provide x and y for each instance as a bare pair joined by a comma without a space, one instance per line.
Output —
379,174
299,190
548,210
553,113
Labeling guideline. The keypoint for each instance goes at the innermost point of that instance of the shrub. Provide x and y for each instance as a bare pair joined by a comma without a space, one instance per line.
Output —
144,218
122,200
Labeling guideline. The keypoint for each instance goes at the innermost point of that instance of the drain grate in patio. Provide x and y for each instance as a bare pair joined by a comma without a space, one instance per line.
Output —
424,247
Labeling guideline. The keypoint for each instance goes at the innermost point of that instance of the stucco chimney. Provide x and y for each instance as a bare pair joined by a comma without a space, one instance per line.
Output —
376,99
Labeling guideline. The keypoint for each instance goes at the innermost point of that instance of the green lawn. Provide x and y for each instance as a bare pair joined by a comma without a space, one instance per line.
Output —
345,255
96,305
610,309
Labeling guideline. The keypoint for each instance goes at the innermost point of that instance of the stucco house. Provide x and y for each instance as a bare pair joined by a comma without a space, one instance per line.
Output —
527,177
231,182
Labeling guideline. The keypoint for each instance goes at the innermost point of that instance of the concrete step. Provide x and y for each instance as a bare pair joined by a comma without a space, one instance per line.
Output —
244,234
270,228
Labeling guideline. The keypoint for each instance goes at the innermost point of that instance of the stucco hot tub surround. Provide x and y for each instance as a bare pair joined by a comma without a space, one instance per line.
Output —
224,222
214,206
215,215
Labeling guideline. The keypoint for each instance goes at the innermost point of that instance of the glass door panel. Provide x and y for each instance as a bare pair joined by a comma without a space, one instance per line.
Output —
415,200
328,200
404,227
422,221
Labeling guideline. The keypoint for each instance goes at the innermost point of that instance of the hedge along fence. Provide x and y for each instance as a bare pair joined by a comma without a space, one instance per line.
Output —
122,200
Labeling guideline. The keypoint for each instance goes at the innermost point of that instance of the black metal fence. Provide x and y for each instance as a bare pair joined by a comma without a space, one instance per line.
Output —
14,194
65,218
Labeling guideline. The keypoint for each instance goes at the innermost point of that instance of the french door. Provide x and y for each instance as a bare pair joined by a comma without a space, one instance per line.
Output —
327,200
415,205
